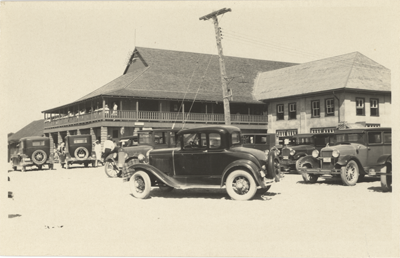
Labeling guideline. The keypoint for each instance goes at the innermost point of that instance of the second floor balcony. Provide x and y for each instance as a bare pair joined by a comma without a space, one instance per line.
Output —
150,116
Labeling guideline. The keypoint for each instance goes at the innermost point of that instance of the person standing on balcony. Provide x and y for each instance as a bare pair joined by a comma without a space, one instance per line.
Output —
106,110
115,108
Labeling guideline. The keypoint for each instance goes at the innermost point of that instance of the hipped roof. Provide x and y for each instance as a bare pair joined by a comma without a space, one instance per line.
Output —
35,128
177,75
352,71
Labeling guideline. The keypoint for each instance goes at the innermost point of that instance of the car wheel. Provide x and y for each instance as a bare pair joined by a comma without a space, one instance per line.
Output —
81,153
300,164
110,170
140,184
39,157
166,188
263,190
386,180
240,185
67,165
94,164
350,174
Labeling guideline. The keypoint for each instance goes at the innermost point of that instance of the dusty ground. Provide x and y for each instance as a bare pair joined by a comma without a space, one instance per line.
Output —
81,212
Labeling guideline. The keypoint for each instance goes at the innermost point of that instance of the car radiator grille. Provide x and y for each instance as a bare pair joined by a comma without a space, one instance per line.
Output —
326,154
327,166
285,152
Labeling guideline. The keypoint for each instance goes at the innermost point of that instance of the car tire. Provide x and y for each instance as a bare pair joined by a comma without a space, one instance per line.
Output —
166,188
39,157
110,170
67,165
350,174
313,178
299,165
243,180
140,184
263,190
386,180
81,153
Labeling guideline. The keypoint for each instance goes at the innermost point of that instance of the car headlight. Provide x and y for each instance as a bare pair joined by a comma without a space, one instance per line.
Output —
335,153
292,152
115,155
141,157
315,153
277,152
266,152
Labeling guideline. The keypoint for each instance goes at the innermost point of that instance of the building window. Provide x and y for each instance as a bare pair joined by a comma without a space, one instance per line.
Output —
315,108
374,107
360,107
292,111
372,125
329,107
279,112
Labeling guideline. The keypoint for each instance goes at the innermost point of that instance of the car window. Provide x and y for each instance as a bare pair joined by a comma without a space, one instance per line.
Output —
236,138
387,137
159,138
260,139
38,143
194,141
215,140
374,137
247,139
144,138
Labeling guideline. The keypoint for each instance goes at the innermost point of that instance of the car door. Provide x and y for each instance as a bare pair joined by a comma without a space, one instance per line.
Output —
192,160
375,148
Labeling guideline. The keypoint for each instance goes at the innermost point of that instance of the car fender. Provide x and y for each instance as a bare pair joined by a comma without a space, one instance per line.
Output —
299,155
253,168
387,158
151,170
343,160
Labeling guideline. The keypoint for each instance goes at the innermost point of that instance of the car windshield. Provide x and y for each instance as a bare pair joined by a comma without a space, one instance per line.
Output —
236,138
321,140
347,138
144,138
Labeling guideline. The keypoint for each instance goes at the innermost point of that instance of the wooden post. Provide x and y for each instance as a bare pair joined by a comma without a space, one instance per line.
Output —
225,94
137,110
104,111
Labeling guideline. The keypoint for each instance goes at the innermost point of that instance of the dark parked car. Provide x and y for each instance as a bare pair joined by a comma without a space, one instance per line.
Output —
79,150
133,149
212,155
352,154
301,145
33,151
259,141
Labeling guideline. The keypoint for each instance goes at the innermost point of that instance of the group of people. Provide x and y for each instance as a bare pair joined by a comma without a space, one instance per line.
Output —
108,148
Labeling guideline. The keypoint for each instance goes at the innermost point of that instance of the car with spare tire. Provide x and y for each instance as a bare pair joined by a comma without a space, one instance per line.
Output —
79,150
33,152
352,154
205,156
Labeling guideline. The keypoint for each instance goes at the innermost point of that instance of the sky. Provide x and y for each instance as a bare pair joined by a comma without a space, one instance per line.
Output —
53,53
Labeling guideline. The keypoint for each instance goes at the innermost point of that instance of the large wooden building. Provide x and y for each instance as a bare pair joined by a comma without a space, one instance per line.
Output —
165,89
320,96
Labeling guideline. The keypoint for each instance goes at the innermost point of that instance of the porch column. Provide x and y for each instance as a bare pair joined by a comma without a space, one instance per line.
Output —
104,106
92,134
103,135
137,110
59,138
51,144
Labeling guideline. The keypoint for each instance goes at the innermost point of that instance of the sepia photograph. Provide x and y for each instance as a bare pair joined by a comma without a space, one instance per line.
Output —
200,128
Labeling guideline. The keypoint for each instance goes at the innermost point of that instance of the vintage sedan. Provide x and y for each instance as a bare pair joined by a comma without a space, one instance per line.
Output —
302,145
133,149
79,150
33,151
352,154
209,155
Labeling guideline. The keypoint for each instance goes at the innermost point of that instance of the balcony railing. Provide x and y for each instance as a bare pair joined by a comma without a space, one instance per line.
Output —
142,116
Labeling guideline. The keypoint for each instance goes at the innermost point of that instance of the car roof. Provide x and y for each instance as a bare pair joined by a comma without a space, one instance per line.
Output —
159,130
212,128
77,136
362,130
34,138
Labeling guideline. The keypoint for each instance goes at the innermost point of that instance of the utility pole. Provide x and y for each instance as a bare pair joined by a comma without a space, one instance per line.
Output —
225,95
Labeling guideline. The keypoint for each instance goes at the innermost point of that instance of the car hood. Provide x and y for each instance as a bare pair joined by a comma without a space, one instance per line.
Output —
343,148
257,153
163,151
136,150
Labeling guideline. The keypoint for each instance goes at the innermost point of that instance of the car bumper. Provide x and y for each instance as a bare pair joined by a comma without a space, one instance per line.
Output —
79,160
322,171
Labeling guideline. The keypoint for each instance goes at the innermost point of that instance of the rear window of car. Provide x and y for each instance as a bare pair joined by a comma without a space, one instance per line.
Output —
215,140
38,143
374,137
80,140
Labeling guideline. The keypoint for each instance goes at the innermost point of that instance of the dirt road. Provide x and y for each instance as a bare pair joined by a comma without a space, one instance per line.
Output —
81,212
